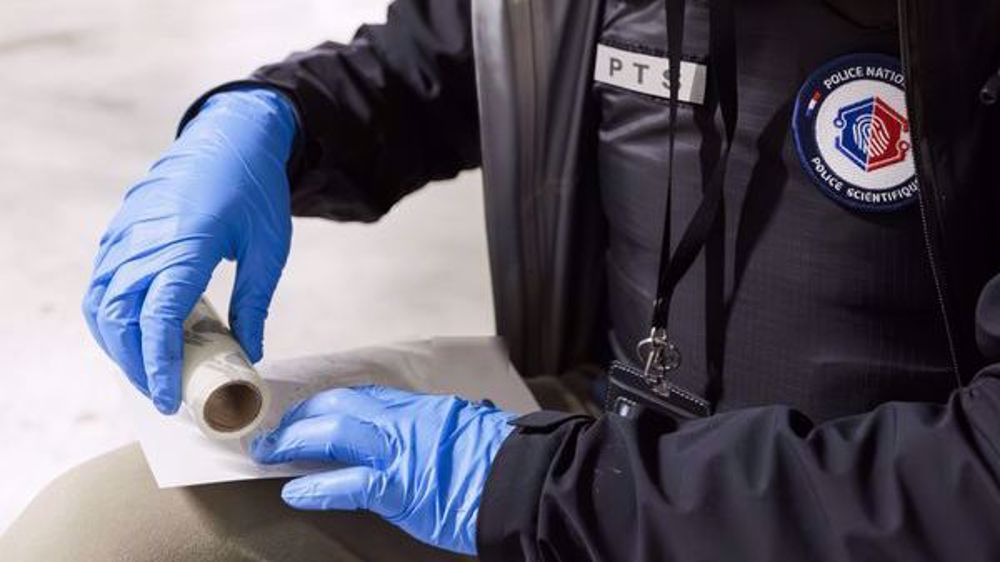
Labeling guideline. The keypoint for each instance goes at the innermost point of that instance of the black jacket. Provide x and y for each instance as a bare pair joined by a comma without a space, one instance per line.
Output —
451,84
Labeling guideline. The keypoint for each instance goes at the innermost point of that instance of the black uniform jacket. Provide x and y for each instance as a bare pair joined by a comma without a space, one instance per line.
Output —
447,85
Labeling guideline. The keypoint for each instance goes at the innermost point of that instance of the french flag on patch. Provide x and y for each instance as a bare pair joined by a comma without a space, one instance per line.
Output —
813,102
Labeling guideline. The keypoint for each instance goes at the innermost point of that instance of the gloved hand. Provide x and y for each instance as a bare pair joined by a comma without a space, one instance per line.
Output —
417,460
220,192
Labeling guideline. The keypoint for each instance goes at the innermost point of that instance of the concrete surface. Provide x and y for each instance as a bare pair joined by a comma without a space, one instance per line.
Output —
90,94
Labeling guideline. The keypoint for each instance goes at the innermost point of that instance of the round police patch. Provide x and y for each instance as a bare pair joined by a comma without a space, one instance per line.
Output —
852,132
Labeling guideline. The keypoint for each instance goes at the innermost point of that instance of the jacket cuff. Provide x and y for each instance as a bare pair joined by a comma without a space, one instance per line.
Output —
295,160
506,530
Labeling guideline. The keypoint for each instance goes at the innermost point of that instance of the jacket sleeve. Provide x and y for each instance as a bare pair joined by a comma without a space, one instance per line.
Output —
907,481
383,115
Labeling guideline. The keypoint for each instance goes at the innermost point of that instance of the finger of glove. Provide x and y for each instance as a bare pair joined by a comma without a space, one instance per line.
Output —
171,297
332,438
143,233
115,246
91,306
118,323
349,488
252,293
118,247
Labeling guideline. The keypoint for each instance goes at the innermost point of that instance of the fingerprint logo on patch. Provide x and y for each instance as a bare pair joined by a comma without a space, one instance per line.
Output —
872,134
852,134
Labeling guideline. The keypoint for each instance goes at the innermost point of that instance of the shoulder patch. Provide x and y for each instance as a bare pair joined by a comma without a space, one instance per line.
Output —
852,133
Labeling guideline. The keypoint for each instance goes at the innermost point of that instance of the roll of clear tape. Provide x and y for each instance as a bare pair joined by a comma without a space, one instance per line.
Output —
221,390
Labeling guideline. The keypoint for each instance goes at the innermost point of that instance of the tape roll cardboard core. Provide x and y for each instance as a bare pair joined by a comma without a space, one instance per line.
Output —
232,407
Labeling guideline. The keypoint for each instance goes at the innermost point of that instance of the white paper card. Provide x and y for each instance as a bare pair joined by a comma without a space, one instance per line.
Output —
474,368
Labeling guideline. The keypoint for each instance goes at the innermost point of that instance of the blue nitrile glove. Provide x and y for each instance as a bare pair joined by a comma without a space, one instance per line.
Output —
220,192
419,461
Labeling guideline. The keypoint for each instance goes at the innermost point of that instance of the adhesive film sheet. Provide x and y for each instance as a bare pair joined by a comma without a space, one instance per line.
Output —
180,454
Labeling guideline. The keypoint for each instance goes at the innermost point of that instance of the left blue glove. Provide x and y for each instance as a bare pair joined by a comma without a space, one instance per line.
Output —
419,461
220,192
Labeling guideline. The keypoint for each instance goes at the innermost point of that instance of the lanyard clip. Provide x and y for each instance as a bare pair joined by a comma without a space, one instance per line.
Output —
659,355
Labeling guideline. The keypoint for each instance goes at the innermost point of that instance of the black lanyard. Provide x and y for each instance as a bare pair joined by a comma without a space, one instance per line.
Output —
659,354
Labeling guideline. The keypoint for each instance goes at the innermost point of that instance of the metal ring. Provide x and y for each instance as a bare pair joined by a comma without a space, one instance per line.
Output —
662,356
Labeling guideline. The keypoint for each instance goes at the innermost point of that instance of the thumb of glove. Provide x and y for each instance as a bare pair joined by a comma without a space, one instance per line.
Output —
248,307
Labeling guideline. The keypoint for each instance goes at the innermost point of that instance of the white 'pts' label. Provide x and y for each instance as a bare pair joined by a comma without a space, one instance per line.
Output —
649,75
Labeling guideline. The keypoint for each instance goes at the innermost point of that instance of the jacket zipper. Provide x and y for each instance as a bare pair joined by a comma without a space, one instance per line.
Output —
925,189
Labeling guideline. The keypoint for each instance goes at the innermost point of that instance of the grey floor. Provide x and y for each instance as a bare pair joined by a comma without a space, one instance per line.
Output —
89,94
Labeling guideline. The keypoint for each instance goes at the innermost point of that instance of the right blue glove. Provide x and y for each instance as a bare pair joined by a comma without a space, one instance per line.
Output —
220,192
418,460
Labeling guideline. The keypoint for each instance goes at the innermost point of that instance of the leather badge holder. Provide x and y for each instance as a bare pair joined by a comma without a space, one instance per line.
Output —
630,396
